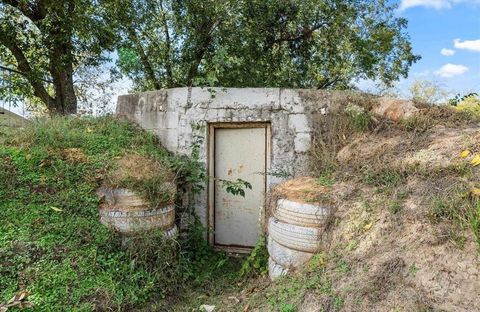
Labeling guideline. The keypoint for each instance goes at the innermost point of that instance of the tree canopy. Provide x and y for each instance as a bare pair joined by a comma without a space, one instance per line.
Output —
172,43
258,43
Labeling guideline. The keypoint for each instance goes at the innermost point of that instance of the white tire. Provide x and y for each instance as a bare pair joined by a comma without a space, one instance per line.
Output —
286,257
301,214
121,198
295,237
275,270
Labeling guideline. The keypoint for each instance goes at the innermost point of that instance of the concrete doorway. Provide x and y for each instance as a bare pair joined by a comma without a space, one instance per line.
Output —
237,151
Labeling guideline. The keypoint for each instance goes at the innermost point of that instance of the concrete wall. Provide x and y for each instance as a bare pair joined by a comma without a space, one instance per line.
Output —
171,114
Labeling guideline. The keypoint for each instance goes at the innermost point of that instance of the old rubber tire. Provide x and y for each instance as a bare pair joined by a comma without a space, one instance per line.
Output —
128,221
296,237
171,233
301,214
121,198
275,270
286,257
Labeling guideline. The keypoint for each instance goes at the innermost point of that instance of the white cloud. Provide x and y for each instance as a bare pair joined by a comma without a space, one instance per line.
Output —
434,4
470,45
447,52
451,70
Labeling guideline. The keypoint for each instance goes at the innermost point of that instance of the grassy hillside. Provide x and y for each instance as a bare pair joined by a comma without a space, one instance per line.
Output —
52,244
405,235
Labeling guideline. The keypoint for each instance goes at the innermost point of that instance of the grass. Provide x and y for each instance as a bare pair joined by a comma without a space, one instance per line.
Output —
459,208
52,243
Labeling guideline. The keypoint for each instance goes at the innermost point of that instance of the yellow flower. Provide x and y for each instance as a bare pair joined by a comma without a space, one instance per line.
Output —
465,153
476,160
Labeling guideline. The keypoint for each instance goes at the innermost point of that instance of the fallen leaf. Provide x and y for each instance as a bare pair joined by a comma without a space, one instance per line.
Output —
234,299
56,209
207,308
476,160
475,191
465,153
19,301
368,226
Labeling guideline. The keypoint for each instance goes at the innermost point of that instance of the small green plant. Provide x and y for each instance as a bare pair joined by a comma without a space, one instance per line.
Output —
417,123
352,245
384,177
280,173
338,302
236,187
343,266
288,307
395,206
359,117
326,179
257,261
413,269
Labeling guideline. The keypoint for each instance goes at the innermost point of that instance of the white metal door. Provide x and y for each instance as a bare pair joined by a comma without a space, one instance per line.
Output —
239,153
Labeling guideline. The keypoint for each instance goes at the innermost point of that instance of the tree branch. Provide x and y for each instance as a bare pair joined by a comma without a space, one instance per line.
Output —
202,49
143,57
22,73
303,34
24,66
34,11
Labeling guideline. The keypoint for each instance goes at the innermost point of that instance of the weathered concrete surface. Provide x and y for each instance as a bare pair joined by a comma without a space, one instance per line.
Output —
175,115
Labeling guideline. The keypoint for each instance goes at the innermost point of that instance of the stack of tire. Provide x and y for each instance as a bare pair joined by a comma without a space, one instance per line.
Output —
128,213
294,235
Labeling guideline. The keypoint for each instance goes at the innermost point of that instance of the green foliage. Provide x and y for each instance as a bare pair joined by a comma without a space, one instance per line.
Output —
190,168
298,44
236,187
326,179
360,118
257,261
470,104
280,173
288,307
51,241
459,98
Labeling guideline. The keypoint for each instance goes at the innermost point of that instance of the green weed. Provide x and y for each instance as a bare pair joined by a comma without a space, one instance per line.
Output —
257,261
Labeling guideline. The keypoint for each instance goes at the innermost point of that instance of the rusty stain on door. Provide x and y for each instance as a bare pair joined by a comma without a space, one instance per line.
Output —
239,153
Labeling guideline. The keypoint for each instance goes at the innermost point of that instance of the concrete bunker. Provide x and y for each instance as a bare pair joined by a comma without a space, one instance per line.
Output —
257,134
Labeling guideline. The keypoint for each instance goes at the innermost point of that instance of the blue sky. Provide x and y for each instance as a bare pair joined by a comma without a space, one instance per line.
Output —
446,33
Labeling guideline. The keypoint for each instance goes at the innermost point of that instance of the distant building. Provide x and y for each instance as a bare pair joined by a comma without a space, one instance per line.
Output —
11,120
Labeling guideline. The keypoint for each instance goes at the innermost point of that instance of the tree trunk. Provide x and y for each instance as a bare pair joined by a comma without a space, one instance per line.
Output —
61,67
65,99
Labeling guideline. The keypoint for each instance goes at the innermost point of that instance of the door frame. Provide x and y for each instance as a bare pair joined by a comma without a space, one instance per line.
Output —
211,174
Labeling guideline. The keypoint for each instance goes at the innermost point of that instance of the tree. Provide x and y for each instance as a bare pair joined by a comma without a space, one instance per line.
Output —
43,43
258,43
428,92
